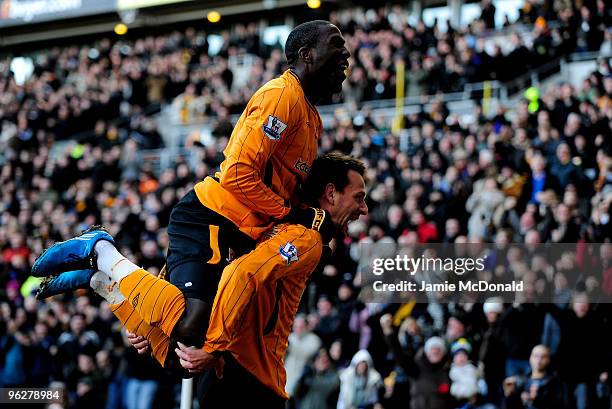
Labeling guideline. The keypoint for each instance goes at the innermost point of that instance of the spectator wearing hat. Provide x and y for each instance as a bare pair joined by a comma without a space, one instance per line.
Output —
457,327
360,383
492,353
427,369
464,375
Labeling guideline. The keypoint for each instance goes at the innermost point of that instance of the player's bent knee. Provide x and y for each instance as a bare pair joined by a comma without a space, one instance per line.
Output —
191,329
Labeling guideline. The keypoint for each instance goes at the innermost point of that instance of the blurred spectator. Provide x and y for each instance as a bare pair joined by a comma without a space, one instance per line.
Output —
488,14
463,374
303,345
539,181
539,389
141,379
492,350
580,357
482,204
427,368
319,384
564,170
14,346
328,326
359,383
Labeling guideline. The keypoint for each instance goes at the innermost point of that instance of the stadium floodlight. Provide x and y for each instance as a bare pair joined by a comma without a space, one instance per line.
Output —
121,29
213,16
313,4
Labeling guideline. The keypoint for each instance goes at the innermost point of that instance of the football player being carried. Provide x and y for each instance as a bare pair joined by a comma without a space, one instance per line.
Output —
269,153
257,297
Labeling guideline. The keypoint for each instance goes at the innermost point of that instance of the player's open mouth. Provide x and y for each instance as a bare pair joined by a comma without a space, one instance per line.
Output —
342,67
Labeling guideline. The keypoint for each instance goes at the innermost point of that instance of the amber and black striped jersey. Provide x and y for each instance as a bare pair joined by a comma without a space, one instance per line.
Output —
269,153
257,299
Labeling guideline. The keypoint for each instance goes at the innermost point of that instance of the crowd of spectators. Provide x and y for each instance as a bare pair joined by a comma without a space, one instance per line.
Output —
519,175
86,88
444,61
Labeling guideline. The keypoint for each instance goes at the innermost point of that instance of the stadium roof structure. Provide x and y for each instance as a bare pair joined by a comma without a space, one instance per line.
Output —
35,21
25,22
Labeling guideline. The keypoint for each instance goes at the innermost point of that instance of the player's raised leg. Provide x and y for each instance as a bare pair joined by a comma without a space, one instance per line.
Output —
108,289
159,303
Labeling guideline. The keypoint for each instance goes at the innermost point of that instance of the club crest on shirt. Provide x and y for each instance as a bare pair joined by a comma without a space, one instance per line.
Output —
288,252
274,128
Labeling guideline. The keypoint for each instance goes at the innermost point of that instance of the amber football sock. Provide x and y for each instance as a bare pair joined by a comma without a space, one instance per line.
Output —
157,301
158,341
130,318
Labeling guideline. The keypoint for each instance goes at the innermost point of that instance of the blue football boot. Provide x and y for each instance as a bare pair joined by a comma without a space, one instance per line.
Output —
74,254
69,281
64,282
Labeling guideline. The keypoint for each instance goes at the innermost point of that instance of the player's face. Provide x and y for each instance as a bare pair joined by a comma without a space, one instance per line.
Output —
350,203
331,59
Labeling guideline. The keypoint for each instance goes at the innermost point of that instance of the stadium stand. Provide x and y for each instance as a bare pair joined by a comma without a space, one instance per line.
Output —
522,174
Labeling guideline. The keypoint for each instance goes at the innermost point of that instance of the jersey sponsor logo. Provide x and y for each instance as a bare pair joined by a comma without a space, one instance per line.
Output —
302,166
274,128
288,252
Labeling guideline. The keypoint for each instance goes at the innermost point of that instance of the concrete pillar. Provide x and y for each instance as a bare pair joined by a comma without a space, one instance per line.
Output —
455,12
416,9
289,20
